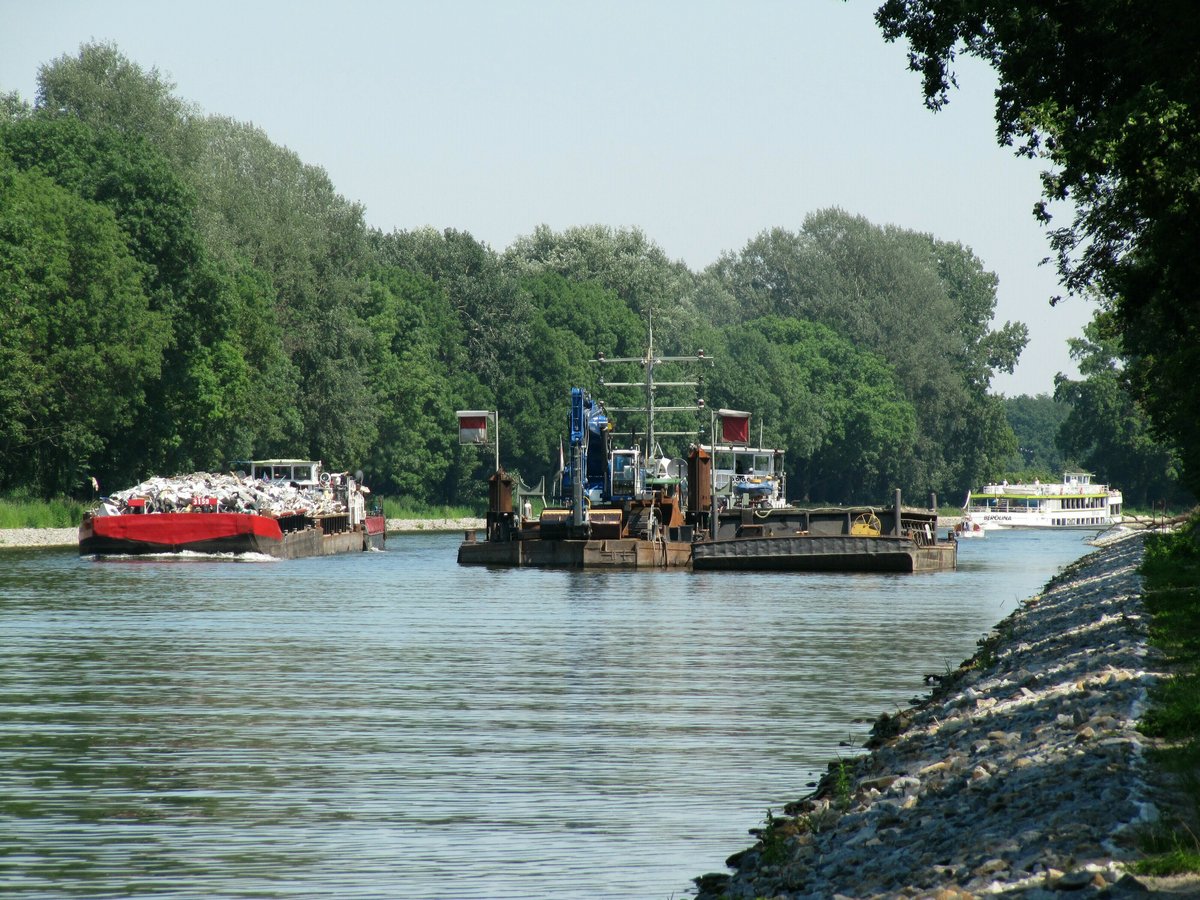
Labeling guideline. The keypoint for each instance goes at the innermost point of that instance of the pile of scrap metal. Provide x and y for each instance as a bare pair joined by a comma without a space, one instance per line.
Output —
209,492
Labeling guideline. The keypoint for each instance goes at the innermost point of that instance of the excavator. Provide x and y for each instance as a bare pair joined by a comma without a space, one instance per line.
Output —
610,492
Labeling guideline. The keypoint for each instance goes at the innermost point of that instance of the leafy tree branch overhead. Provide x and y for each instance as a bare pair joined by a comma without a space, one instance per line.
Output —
1107,95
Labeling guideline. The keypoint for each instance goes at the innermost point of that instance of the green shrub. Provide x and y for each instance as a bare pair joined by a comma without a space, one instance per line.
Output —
18,511
407,508
1171,569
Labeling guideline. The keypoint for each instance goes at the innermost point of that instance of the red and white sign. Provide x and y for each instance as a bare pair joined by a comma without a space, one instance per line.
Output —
735,426
472,426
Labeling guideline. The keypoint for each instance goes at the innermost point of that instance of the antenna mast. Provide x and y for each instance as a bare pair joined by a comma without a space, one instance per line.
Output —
650,385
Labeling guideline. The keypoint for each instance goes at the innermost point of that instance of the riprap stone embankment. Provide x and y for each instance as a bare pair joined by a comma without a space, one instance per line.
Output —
1022,774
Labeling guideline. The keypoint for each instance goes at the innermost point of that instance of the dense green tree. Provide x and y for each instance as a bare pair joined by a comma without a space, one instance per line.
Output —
572,322
1106,93
267,422
79,341
922,305
595,291
417,445
492,311
258,202
205,407
529,338
257,265
624,261
13,108
445,337
1106,430
1035,420
838,412
227,386
99,86
125,172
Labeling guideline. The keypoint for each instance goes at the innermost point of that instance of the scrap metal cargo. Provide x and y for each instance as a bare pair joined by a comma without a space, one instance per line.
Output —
286,508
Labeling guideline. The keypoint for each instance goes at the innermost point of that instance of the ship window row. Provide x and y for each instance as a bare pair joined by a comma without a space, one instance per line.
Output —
1083,503
743,463
1004,504
1090,520
1012,504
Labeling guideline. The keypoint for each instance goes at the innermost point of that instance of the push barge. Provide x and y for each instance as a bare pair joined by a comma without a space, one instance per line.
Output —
829,539
724,508
624,512
744,521
285,508
620,512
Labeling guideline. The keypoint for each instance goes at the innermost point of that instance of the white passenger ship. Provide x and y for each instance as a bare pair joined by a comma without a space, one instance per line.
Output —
1076,503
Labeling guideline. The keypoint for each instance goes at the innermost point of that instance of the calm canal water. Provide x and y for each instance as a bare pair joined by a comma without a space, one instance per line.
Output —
392,725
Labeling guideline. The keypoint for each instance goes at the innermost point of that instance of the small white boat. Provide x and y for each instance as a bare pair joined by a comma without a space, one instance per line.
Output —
968,529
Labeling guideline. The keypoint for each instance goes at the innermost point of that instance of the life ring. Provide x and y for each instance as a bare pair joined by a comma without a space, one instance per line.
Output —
325,478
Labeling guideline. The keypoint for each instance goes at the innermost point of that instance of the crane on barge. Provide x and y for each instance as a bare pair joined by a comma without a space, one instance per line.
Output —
638,481
619,507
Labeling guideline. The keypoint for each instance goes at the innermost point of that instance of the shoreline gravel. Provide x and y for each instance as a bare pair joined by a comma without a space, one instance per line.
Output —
1022,774
69,537
39,537
408,526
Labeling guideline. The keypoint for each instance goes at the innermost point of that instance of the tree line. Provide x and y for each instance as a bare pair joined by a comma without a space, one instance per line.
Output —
177,291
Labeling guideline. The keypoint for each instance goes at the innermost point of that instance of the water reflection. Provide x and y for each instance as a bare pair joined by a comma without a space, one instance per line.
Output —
393,725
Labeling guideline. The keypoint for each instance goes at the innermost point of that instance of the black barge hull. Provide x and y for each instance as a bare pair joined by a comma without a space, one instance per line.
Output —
616,553
832,553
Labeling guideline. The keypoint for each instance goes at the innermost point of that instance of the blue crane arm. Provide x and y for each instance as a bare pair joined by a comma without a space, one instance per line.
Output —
585,422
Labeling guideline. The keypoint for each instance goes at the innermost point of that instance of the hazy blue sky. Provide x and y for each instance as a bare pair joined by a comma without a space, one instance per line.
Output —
702,123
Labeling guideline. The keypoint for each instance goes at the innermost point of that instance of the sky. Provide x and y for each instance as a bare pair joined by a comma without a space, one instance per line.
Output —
702,123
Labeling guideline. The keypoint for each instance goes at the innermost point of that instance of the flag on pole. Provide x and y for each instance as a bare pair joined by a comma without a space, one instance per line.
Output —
735,426
472,426
95,484
562,463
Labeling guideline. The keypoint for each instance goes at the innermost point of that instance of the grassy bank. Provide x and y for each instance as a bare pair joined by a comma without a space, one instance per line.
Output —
1172,584
403,508
23,512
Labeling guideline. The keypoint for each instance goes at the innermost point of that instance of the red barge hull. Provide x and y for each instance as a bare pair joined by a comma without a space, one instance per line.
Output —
216,532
